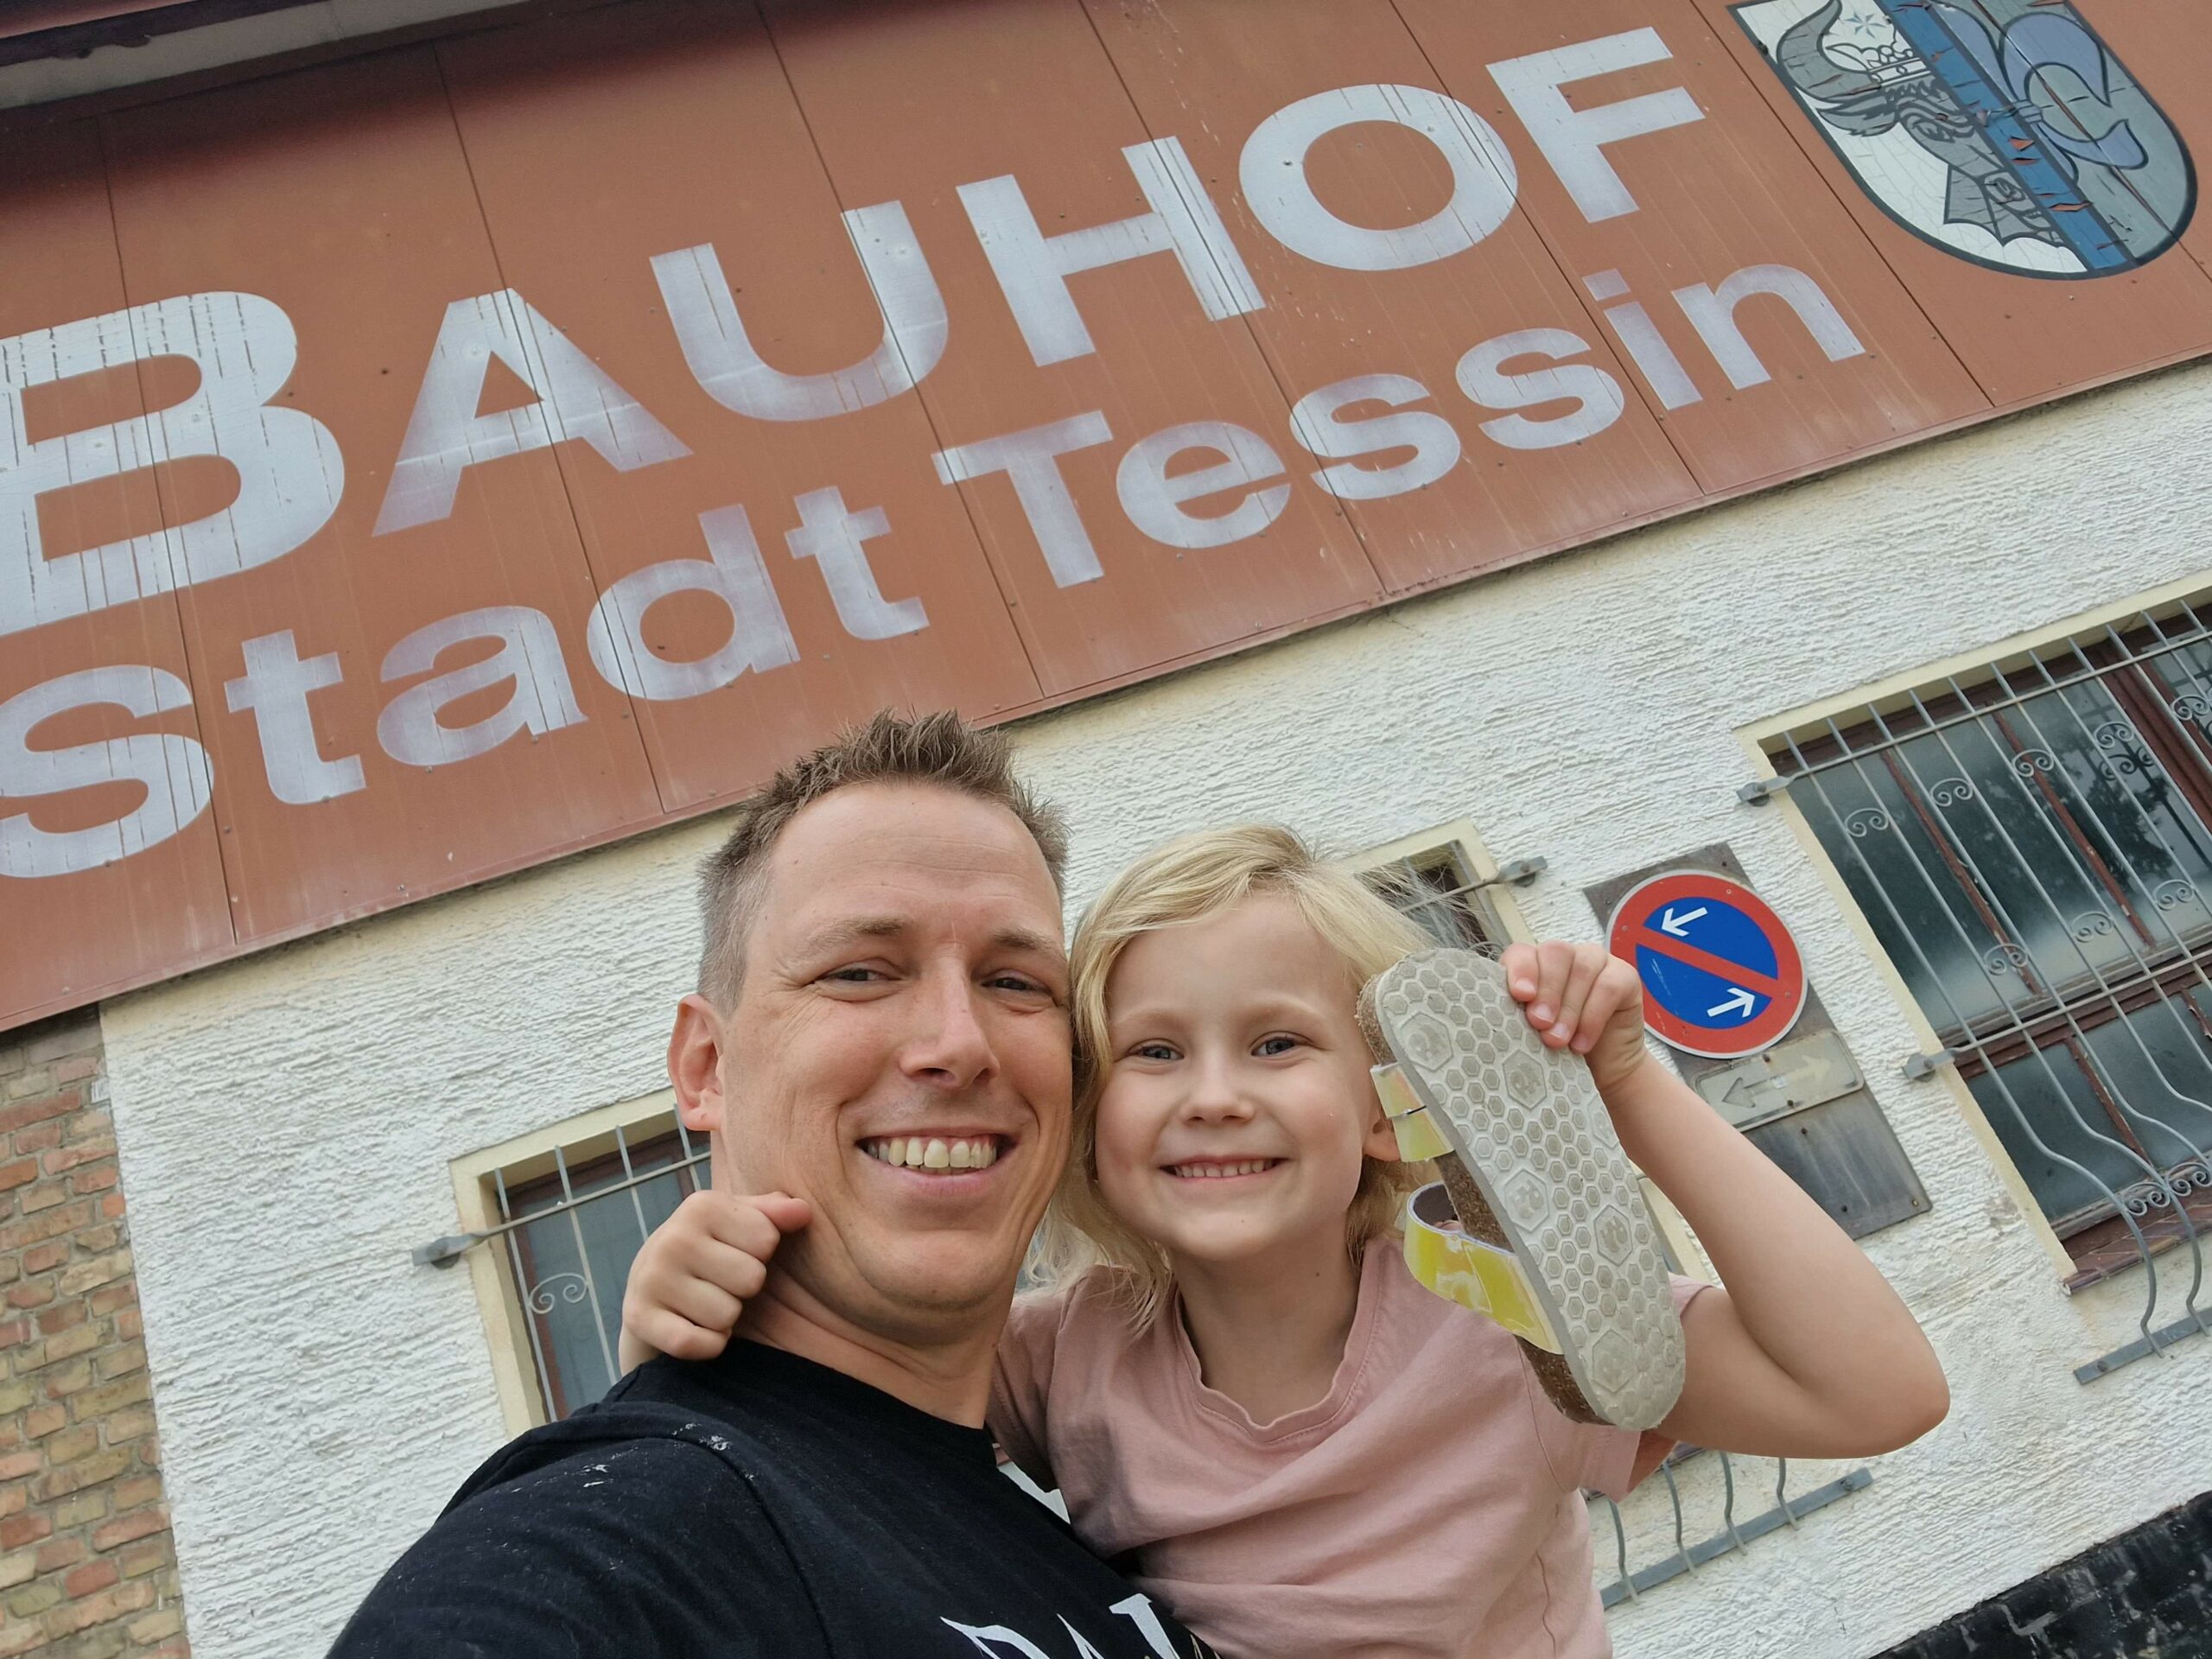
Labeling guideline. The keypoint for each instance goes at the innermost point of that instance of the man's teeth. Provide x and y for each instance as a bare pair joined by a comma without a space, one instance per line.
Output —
1219,1172
928,1152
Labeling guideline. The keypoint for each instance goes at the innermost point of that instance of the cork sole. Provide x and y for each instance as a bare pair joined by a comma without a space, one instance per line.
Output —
1527,1123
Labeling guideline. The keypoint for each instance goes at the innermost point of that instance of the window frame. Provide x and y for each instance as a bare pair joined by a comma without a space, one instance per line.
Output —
582,1139
1493,897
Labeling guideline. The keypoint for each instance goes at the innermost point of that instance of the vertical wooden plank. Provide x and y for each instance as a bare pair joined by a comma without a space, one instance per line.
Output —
909,103
1198,70
600,142
341,194
2023,337
1715,189
65,937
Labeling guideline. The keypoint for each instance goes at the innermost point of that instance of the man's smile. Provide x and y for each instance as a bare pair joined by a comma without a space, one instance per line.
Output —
937,1152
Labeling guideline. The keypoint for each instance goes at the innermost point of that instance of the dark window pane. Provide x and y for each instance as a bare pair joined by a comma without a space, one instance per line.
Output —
2157,1065
1949,954
2045,1099
2036,889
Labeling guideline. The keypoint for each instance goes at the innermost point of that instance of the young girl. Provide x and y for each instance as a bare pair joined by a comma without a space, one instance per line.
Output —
1243,1393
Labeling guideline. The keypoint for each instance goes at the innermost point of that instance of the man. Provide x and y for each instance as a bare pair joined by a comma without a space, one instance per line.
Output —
883,965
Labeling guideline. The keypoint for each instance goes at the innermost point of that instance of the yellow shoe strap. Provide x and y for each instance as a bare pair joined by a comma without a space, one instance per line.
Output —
1418,1139
1474,1274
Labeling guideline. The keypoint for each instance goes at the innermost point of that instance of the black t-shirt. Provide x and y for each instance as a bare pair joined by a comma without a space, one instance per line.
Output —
757,1504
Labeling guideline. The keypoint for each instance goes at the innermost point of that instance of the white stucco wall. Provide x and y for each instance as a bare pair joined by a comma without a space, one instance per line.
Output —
285,1123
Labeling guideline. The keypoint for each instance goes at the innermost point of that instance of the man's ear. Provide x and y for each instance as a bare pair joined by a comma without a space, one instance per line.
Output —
695,1052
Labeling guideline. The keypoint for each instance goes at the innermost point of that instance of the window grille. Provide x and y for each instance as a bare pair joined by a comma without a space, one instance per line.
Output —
2032,843
1638,1545
569,1224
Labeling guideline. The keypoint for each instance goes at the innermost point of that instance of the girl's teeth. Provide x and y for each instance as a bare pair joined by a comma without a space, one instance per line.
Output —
1221,1172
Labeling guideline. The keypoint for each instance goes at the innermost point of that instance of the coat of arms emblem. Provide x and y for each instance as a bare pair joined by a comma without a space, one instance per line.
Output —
2005,132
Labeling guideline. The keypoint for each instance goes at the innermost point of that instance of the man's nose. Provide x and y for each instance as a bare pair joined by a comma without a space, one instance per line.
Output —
948,1045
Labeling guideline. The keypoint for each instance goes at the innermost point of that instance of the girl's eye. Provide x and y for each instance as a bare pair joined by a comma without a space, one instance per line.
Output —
1153,1051
1269,1047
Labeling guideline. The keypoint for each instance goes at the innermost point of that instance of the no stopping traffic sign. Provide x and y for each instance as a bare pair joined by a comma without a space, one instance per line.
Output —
1721,975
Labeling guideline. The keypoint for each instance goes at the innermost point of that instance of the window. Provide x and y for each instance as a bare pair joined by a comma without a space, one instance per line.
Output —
2032,843
563,1214
1444,885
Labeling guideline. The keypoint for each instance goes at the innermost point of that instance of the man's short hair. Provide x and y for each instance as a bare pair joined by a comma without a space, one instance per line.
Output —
939,749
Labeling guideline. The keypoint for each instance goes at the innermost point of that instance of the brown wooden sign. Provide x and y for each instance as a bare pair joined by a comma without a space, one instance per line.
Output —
422,465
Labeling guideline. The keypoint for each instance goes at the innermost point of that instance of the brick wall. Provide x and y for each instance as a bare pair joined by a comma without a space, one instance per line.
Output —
87,1570
2147,1594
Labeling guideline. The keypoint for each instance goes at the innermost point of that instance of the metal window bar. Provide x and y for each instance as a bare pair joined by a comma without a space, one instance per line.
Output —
2033,849
1630,1582
529,1294
572,1197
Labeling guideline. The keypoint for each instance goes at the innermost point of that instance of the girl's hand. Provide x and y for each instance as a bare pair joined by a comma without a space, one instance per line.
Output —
694,1275
1581,999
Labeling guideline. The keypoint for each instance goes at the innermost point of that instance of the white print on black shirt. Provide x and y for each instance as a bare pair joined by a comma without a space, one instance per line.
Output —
1000,1643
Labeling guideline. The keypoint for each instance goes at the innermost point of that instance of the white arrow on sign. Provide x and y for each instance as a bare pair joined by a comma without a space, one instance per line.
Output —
1740,1002
1679,925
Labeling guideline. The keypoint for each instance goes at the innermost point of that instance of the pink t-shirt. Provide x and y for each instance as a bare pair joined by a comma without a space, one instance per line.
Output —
1429,1505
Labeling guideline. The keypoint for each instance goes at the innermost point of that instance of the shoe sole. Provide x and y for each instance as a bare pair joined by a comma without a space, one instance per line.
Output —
1527,1123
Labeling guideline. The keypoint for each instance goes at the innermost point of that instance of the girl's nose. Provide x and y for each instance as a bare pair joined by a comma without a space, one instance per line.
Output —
1219,1095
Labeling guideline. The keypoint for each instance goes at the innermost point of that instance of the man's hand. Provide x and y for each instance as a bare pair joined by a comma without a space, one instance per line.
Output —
1581,998
694,1274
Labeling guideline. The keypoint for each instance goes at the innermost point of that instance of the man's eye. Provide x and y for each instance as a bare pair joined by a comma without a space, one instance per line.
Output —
1021,983
854,976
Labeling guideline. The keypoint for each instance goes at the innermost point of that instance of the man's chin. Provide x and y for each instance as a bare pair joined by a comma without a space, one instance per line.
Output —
947,1288
915,1289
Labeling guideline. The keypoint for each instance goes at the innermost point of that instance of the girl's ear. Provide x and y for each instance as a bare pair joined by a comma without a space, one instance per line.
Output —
1381,1140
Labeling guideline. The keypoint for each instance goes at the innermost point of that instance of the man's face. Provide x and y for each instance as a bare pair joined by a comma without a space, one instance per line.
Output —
904,986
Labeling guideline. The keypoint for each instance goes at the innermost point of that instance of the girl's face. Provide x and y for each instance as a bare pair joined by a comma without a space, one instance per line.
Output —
1237,1107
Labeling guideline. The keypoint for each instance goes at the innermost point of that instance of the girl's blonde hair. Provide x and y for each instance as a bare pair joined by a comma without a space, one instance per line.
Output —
1185,879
